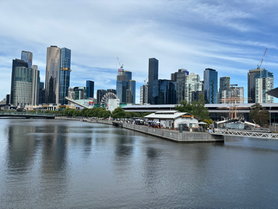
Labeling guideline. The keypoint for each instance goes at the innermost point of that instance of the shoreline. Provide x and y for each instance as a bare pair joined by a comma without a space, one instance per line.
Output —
171,135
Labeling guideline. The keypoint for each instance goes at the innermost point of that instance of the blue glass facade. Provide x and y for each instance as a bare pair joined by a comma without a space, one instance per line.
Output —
90,89
132,89
121,90
65,75
210,85
152,80
128,77
27,57
164,92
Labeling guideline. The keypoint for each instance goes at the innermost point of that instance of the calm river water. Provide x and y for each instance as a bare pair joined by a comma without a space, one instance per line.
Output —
72,164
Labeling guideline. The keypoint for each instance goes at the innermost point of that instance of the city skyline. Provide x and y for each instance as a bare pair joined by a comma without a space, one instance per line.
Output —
229,37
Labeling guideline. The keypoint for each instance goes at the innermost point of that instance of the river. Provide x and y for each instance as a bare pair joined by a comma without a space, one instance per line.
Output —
72,164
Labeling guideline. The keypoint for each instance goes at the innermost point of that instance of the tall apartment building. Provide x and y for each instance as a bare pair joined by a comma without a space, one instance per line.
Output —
22,94
224,86
259,82
192,87
16,63
210,85
152,79
35,85
65,70
52,77
179,78
144,94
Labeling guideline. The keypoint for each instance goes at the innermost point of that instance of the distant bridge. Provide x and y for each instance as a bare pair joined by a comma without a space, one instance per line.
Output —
244,133
27,115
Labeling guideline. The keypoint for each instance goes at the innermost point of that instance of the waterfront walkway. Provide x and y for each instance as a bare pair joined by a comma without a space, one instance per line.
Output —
244,133
168,134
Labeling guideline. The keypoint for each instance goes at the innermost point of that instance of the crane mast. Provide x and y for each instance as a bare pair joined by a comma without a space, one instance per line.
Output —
259,66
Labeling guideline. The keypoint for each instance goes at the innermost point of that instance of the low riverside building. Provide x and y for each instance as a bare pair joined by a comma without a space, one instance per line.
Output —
173,119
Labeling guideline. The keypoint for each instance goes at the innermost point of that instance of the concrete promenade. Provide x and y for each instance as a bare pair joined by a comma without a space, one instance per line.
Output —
172,135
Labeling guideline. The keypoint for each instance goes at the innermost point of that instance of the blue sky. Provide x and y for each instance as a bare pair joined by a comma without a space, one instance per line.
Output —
229,36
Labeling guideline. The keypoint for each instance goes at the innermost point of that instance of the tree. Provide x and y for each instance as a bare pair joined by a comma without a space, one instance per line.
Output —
119,113
259,115
184,106
198,108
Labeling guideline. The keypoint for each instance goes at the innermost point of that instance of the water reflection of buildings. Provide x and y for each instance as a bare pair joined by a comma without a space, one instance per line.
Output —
21,148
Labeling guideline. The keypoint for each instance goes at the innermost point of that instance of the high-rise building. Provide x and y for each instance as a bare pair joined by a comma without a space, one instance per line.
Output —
259,82
121,86
27,57
35,85
41,93
166,92
90,88
179,78
16,63
52,77
100,94
22,94
64,74
192,88
263,83
128,77
210,85
224,86
144,94
131,95
152,79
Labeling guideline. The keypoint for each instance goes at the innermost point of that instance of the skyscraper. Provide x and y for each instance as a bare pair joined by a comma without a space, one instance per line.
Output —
22,94
52,77
42,93
259,81
210,85
27,57
144,94
16,63
166,91
65,74
132,92
90,89
193,87
224,86
152,78
179,78
35,85
121,86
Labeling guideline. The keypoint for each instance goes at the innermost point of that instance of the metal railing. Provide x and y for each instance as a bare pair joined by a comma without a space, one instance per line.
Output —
243,133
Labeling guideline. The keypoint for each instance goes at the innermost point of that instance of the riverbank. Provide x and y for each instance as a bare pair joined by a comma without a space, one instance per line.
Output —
172,135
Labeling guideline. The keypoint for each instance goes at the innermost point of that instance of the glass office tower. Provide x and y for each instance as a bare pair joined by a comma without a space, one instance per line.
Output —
27,57
121,86
90,88
52,77
65,75
16,63
132,91
210,85
152,79
22,86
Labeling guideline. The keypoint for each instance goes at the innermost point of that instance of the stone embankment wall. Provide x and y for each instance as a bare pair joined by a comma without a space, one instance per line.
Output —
165,133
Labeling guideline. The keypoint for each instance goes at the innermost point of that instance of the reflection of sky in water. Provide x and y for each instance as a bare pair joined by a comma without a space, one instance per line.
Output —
72,164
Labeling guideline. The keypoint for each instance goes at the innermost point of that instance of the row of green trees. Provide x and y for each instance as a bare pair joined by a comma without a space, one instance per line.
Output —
259,115
97,112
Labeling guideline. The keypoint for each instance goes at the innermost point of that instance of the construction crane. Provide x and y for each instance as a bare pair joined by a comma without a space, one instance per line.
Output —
121,65
259,66
145,81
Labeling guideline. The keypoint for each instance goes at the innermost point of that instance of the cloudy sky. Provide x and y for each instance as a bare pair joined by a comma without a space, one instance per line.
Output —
229,36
